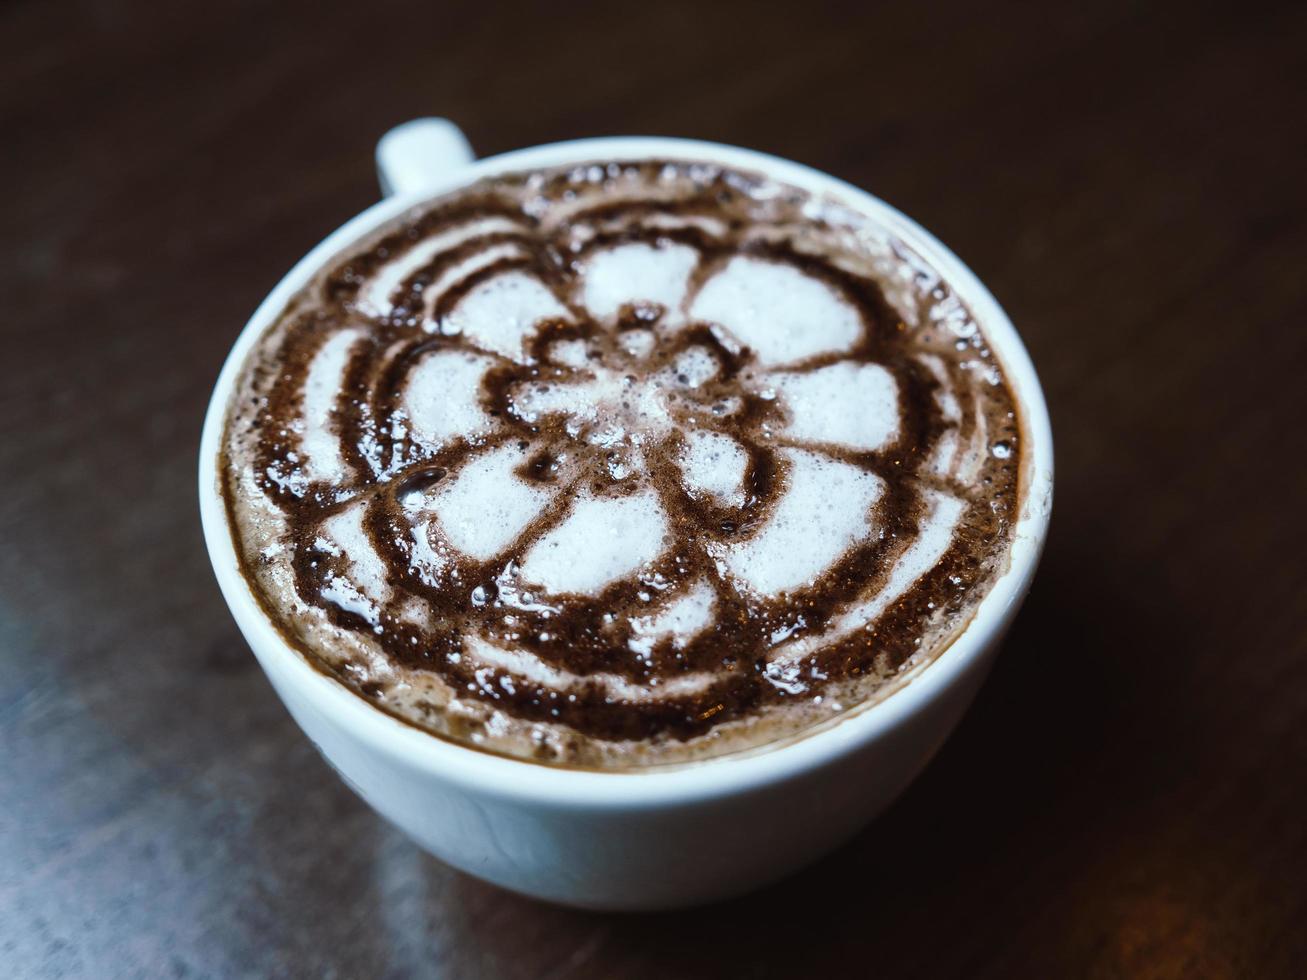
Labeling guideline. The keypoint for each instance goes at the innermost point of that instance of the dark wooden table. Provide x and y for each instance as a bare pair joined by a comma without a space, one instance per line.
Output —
1128,798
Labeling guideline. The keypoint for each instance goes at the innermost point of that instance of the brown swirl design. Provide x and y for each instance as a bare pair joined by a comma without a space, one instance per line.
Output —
590,408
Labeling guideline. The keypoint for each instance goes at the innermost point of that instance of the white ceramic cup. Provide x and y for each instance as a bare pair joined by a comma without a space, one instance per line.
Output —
662,837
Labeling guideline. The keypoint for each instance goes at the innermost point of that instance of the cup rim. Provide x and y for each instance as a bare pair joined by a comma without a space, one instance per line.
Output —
510,777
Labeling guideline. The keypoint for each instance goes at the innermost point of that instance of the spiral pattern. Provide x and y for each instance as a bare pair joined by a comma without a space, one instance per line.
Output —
625,462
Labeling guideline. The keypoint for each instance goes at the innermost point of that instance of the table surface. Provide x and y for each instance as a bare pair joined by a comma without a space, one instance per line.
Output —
1127,796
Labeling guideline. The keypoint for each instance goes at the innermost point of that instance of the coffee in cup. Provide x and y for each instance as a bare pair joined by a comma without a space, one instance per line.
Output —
623,464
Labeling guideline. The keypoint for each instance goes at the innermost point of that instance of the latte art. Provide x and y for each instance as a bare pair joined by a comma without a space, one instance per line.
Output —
623,464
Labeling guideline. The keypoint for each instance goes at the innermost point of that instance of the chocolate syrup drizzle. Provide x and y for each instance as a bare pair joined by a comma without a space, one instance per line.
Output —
589,635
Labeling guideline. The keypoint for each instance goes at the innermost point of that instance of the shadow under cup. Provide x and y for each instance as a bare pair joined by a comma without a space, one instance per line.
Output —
660,837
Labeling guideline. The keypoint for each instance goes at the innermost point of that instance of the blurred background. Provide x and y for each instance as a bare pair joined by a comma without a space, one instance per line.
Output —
1127,797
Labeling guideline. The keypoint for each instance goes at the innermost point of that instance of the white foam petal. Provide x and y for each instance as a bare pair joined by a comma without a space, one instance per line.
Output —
485,506
637,272
783,314
826,509
941,459
520,662
442,397
604,394
933,539
944,395
600,541
638,343
714,226
502,312
580,399
714,465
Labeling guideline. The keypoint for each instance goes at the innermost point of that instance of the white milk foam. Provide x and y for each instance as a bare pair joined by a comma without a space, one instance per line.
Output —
377,297
779,312
827,509
638,273
599,542
442,398
484,508
714,464
499,314
855,406
575,483
320,446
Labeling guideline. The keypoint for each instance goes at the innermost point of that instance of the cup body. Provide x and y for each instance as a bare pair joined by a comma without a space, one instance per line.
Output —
662,837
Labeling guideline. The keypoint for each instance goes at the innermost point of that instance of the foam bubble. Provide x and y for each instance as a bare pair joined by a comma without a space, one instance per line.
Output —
851,405
442,397
637,273
825,510
600,541
500,313
485,506
783,314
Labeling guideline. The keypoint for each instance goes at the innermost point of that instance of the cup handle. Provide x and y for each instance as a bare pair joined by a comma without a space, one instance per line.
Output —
416,155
